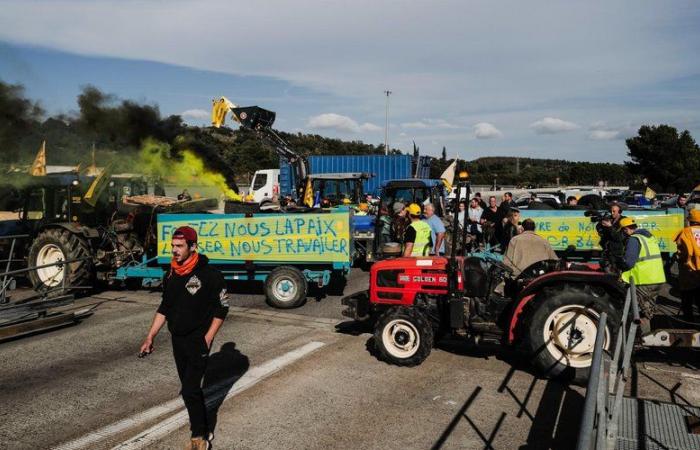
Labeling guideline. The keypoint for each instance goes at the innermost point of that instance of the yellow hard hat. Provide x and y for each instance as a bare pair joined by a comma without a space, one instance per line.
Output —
414,209
363,207
346,201
626,222
694,215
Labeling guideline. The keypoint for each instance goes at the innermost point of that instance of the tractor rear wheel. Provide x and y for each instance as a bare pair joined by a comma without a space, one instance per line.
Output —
559,329
52,246
403,336
286,287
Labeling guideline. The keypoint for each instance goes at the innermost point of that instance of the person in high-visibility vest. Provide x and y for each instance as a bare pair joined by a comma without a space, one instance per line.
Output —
643,263
688,244
417,239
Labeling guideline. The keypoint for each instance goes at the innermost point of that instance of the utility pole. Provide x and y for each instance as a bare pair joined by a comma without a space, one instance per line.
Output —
386,126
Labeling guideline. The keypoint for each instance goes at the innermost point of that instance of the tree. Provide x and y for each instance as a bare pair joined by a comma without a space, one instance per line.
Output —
18,116
416,150
669,160
444,154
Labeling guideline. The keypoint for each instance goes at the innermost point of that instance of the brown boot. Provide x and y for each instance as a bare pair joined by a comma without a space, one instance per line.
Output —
198,443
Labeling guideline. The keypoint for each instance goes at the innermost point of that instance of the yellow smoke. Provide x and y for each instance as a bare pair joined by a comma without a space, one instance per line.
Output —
155,159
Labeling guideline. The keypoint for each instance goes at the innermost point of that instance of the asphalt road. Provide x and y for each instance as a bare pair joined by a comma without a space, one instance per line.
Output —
290,380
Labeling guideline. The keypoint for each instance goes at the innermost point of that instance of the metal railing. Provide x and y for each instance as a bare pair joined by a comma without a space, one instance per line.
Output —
608,378
594,420
7,281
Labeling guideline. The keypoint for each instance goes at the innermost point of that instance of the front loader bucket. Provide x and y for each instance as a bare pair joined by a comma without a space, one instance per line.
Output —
253,117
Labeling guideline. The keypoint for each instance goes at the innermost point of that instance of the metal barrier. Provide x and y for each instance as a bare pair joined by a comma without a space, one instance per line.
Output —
608,378
7,283
593,420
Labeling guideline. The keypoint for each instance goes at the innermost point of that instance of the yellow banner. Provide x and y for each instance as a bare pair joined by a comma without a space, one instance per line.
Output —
562,231
280,238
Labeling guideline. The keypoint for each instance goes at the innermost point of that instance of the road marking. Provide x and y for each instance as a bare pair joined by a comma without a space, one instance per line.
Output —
172,423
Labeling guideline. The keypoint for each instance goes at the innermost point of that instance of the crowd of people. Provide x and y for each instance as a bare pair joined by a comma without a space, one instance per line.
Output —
491,224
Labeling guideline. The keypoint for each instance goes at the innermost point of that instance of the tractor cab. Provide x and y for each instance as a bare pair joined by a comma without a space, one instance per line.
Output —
402,192
337,189
420,191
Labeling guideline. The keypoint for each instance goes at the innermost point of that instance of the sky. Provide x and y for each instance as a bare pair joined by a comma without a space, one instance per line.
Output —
545,79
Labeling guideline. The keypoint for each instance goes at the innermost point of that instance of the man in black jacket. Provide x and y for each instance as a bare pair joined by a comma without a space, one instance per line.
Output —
194,305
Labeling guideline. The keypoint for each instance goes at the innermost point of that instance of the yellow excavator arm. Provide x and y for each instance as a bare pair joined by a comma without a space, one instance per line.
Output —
221,107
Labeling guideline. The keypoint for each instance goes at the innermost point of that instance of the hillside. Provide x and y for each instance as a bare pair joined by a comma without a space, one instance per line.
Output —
119,130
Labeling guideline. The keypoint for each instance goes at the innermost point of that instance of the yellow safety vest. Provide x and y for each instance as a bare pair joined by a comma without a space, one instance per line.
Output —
421,246
649,268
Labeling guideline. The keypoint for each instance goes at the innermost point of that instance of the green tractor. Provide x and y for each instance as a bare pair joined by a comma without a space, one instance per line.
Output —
82,221
71,218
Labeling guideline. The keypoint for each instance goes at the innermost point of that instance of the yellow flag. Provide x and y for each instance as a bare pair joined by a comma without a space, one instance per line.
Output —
309,194
448,176
98,186
39,166
649,194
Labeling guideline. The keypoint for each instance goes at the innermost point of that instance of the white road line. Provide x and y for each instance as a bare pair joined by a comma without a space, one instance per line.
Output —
170,424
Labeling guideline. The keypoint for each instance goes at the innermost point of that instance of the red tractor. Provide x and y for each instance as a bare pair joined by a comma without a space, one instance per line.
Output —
550,311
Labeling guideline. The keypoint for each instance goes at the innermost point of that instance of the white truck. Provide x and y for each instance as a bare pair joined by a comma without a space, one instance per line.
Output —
265,186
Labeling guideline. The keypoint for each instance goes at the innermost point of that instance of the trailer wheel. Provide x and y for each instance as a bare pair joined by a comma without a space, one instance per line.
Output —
286,287
559,330
54,245
403,336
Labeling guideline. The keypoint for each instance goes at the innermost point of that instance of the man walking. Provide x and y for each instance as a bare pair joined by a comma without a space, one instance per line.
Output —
194,305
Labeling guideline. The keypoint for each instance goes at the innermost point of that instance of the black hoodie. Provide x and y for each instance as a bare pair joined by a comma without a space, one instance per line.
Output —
190,302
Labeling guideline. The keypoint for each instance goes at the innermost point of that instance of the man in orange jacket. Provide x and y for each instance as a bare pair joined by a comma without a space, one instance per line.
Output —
688,244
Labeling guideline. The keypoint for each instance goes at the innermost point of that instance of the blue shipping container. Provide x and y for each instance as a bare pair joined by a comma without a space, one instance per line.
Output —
384,168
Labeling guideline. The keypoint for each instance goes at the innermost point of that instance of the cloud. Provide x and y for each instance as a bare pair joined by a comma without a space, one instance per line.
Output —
199,114
332,121
601,68
430,123
604,135
552,125
600,131
415,125
485,130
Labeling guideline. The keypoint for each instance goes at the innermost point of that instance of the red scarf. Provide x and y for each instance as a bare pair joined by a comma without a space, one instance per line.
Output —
187,266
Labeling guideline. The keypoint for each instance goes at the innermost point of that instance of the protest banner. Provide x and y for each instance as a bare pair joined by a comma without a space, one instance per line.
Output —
323,237
564,228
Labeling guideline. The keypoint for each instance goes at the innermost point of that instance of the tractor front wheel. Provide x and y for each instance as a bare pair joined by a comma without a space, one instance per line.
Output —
49,249
403,336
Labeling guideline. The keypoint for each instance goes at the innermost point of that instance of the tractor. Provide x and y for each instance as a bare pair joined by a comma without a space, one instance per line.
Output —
82,221
550,311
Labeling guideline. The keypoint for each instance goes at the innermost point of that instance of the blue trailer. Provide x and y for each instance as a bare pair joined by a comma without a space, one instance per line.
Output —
384,168
284,251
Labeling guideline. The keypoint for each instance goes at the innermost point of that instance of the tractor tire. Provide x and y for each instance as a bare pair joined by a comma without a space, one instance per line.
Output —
286,287
403,336
546,329
54,245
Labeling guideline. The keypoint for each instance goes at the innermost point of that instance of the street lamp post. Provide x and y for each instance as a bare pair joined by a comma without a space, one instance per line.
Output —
386,126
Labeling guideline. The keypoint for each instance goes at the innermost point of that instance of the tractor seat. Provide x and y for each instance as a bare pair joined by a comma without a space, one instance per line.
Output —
476,280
